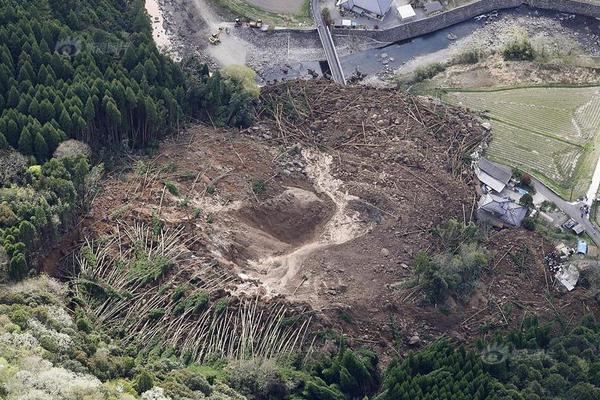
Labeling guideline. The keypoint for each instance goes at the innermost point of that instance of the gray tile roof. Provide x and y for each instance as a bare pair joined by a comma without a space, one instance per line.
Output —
378,7
496,171
504,209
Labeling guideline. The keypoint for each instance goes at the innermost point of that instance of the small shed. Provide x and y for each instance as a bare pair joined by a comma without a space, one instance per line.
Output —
433,7
406,12
582,247
346,23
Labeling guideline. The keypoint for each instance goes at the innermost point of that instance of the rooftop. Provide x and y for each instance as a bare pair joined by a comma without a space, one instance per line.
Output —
377,7
496,171
503,209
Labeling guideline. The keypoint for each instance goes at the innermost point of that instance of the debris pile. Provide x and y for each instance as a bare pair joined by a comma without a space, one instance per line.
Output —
365,119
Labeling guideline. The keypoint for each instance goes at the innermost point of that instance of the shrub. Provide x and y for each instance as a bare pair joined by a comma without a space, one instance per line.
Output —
221,304
428,72
144,381
526,200
197,213
171,187
17,269
468,57
529,224
447,274
519,50
258,380
326,15
197,302
156,313
84,324
244,76
259,186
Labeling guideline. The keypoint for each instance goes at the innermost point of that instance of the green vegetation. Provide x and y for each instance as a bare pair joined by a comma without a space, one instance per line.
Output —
468,57
525,364
89,71
50,351
246,11
259,186
429,71
453,271
38,206
548,132
326,16
519,50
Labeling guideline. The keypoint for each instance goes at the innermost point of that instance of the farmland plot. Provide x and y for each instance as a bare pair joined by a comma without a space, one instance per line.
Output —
551,133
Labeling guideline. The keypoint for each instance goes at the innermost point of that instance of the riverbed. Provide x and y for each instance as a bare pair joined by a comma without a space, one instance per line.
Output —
479,32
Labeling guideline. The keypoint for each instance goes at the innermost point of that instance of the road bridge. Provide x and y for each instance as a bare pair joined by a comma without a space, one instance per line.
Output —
335,66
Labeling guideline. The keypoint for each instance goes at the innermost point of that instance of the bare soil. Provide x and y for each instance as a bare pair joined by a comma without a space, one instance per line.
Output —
356,178
282,6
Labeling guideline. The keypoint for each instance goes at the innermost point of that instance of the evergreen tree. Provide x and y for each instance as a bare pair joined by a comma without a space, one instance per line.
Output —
40,148
26,142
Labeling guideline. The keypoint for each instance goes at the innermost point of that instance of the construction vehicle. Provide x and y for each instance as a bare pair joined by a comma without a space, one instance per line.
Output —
256,24
215,38
238,22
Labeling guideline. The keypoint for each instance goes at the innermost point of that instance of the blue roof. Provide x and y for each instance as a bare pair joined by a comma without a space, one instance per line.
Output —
582,247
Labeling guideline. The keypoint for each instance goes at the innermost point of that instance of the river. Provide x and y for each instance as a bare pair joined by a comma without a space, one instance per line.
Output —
370,61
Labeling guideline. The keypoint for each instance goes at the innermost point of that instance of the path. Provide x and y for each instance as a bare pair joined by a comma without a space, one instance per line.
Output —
327,40
571,209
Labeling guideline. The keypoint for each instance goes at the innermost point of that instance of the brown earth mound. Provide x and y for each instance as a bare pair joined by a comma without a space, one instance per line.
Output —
355,180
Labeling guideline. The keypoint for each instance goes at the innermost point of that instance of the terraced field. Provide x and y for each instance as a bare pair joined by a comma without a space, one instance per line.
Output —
552,133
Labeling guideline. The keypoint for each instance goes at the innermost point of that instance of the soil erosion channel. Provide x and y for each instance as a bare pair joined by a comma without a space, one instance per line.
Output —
283,273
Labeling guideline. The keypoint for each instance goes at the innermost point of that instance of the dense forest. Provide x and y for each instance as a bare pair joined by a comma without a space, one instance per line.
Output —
49,352
88,71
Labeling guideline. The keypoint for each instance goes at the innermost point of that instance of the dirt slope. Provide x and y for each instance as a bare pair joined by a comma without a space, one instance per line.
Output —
325,201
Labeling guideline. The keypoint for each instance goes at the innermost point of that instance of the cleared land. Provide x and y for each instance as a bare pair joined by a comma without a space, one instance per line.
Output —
548,132
280,6
295,12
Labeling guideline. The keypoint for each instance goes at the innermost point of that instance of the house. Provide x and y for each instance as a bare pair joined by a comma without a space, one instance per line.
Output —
493,175
376,9
573,225
500,211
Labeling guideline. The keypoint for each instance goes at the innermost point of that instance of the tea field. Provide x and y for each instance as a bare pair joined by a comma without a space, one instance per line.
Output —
552,133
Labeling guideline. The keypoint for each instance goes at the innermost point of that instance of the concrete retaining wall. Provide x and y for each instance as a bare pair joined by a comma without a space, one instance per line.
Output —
411,30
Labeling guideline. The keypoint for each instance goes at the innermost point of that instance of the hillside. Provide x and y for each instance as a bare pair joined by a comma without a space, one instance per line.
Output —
171,232
298,237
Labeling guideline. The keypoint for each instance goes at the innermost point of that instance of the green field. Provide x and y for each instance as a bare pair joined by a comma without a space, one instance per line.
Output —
551,133
245,10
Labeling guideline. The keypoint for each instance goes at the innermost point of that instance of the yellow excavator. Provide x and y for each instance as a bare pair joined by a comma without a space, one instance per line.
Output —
214,38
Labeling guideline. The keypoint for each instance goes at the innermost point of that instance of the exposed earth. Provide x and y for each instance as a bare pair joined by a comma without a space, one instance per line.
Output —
313,207
282,6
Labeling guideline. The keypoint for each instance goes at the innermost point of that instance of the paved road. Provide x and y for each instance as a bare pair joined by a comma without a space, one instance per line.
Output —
571,209
327,40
